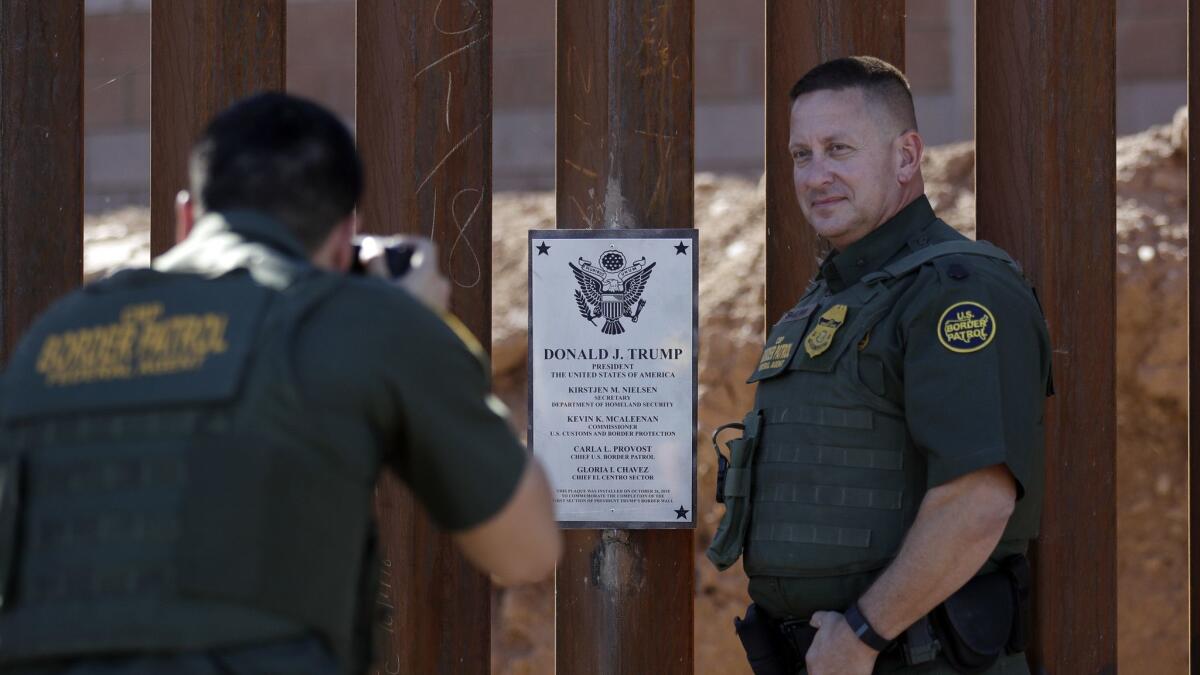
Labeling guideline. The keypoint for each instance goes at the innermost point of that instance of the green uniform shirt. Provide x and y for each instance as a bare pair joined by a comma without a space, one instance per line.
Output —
391,381
198,448
965,353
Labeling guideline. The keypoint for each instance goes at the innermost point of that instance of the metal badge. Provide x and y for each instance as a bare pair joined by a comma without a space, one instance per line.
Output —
821,336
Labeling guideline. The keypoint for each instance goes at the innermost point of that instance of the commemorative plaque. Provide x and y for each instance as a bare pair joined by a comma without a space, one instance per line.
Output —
612,374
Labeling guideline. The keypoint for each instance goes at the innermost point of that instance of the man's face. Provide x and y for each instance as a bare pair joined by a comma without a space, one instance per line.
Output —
844,167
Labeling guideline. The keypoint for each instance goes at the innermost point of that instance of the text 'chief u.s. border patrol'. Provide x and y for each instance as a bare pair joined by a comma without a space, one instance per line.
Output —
189,452
889,477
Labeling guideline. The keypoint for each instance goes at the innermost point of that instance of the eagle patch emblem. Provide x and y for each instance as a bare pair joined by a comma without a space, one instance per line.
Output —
611,291
821,336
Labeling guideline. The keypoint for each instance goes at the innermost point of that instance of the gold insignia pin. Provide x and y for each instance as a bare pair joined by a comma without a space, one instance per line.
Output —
866,340
821,336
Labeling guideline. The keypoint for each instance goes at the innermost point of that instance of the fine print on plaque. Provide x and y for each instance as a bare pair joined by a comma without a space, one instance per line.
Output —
612,374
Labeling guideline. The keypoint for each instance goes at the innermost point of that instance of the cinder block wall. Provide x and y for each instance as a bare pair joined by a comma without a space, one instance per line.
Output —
1151,72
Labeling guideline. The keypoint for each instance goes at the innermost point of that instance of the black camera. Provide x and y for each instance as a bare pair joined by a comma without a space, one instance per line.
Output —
395,252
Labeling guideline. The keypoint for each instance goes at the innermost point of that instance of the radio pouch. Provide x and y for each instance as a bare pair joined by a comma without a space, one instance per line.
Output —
727,544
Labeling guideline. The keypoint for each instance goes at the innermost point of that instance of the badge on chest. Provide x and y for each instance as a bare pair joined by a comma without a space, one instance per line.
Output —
821,336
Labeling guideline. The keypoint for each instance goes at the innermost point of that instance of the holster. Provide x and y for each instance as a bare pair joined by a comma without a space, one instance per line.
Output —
1019,573
982,620
768,648
733,488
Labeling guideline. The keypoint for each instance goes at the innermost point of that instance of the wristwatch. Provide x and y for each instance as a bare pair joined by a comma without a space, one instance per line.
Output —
863,629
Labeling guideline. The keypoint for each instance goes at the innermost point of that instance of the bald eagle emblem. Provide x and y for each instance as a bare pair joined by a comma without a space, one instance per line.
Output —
611,291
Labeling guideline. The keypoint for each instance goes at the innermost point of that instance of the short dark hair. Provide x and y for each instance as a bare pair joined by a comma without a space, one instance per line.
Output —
877,78
282,155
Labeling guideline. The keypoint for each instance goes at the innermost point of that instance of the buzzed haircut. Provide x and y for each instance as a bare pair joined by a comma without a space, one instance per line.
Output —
879,80
280,155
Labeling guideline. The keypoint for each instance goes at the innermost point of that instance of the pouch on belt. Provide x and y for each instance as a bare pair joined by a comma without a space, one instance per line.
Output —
734,490
974,624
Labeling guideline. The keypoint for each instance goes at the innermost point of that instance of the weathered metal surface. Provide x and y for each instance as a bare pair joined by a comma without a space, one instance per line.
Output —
41,152
1045,170
625,159
800,35
424,118
1194,325
205,54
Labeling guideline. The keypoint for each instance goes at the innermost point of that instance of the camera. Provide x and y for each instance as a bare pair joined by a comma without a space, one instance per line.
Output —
395,254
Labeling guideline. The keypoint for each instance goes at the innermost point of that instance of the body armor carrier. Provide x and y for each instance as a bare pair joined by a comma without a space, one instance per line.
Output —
171,493
825,479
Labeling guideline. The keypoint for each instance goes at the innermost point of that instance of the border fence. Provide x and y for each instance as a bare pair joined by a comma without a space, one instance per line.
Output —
1045,181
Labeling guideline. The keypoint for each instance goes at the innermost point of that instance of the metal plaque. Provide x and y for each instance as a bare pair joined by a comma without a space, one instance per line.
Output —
612,374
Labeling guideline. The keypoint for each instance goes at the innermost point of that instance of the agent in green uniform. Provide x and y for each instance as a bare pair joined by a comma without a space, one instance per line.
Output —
189,452
889,477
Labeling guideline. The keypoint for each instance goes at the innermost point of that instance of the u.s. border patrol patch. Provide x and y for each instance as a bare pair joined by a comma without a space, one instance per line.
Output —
966,327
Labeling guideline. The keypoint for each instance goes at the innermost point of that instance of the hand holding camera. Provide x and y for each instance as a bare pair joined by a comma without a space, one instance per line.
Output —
409,262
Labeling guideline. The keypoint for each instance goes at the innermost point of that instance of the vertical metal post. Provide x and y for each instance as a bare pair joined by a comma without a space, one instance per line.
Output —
800,35
41,152
205,54
1047,77
1194,327
625,159
424,123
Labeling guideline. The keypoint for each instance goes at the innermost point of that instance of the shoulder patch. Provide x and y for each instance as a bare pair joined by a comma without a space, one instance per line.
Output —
966,327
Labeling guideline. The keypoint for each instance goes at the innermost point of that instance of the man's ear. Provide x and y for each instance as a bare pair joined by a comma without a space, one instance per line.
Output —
335,253
185,215
909,151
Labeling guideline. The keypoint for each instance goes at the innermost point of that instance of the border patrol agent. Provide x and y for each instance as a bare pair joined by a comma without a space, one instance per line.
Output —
889,478
189,451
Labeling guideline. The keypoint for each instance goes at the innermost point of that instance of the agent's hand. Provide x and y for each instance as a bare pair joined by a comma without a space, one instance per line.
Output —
423,279
836,650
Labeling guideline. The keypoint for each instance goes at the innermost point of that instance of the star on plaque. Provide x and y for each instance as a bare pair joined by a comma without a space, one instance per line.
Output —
543,248
681,248
680,513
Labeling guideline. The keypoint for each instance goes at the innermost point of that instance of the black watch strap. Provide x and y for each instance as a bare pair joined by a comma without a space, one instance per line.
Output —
863,629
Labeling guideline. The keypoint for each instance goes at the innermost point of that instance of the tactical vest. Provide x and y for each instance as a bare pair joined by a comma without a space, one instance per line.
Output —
163,489
825,479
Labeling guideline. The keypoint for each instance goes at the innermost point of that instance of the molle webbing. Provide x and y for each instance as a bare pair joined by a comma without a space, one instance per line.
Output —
836,479
807,533
831,417
212,519
829,495
861,458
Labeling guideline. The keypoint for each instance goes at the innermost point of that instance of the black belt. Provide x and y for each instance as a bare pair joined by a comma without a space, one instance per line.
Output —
914,647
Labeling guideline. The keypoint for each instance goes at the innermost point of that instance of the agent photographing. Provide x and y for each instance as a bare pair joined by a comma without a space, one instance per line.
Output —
190,451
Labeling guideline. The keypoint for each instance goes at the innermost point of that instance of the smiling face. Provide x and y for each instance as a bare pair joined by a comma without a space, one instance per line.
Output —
853,167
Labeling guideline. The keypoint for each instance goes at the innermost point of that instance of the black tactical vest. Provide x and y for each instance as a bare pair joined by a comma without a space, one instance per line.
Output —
170,494
826,480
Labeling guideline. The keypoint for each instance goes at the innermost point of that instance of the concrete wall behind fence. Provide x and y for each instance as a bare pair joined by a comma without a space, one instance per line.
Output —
1151,72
